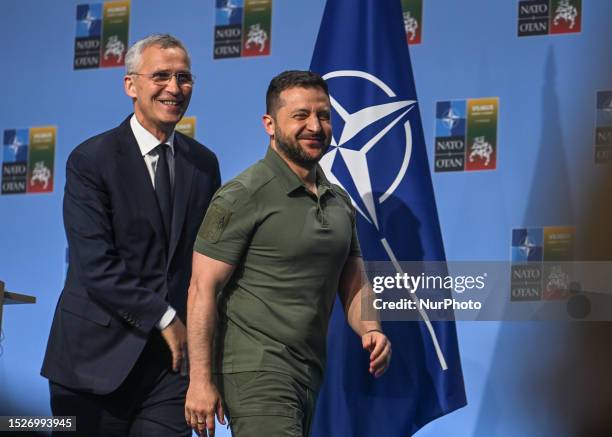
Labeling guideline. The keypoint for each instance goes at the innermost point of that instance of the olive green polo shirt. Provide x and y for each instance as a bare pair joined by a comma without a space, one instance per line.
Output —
289,247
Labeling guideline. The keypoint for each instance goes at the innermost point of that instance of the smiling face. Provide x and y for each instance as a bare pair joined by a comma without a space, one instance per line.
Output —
301,127
159,107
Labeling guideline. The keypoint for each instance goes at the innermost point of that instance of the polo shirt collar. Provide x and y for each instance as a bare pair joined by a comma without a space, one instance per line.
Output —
289,179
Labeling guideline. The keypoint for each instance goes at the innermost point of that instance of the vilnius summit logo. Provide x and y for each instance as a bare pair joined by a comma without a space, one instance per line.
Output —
466,135
544,17
603,128
242,28
28,157
101,34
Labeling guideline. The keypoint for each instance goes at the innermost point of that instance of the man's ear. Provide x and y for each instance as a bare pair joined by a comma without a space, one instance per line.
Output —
129,86
269,124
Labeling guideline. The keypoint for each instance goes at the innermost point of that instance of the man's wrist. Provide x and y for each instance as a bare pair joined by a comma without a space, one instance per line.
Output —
200,377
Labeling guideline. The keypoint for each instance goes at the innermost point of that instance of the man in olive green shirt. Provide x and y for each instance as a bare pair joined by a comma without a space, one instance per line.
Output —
277,243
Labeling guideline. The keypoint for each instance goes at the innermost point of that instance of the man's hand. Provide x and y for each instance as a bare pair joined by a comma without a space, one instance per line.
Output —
175,336
201,405
379,347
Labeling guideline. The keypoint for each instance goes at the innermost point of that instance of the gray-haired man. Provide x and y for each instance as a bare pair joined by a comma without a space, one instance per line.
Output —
134,199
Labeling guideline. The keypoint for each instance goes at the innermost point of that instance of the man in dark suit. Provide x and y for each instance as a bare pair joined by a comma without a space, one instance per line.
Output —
134,199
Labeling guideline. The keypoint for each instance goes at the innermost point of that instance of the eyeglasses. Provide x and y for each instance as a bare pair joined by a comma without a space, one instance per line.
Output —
164,77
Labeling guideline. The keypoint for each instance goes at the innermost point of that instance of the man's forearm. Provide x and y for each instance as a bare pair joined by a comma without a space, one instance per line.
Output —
355,293
201,321
354,313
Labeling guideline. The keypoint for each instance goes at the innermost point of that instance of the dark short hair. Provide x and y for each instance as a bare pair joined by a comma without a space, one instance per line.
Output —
291,79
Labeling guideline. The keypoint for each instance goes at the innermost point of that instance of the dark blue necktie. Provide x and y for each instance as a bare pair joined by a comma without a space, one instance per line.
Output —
163,188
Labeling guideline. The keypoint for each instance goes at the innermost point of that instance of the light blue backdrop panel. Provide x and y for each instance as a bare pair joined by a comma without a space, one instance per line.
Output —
546,87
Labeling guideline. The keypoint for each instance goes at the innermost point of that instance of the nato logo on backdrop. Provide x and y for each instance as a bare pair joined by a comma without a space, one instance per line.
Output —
549,17
101,34
540,263
28,157
242,28
466,135
603,127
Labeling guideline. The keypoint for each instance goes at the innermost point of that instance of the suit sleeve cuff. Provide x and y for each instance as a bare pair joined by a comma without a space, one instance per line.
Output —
166,319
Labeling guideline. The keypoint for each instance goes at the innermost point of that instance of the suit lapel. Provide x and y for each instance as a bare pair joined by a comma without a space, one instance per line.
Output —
183,176
137,179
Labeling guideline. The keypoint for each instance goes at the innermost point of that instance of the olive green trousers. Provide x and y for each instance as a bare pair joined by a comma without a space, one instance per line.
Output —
266,404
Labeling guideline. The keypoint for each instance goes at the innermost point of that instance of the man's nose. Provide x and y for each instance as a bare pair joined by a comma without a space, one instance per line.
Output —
173,85
314,124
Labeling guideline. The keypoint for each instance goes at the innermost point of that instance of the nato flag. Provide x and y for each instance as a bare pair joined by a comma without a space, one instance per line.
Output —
378,155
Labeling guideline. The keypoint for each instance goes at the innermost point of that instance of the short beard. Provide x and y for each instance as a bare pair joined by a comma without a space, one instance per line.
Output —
295,153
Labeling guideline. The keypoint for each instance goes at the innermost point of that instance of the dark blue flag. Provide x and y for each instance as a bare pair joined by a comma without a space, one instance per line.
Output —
378,155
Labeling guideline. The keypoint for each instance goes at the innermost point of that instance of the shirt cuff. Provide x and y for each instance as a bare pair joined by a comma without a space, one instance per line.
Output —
166,319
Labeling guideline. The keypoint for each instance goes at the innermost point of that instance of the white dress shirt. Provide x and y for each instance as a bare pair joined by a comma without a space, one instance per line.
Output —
147,144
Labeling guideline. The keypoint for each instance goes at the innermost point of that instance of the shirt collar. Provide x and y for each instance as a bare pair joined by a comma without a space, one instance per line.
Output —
289,179
146,140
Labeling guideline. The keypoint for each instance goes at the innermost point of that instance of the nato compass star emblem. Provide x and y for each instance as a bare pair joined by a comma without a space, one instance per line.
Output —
229,8
89,19
355,156
527,246
451,118
15,145
365,131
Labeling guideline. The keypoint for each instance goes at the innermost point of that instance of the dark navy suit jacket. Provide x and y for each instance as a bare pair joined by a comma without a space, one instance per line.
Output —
122,272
